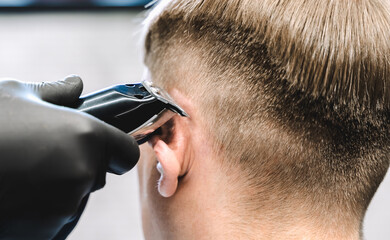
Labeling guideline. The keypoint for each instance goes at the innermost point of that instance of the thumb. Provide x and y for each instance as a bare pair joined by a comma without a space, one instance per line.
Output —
123,151
65,92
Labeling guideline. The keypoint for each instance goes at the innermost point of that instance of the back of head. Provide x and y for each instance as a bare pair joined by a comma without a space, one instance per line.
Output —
294,93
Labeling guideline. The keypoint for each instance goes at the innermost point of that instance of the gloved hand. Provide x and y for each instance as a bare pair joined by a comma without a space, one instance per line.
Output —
52,157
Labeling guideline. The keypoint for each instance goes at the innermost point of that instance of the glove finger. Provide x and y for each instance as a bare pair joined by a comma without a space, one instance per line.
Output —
65,92
123,150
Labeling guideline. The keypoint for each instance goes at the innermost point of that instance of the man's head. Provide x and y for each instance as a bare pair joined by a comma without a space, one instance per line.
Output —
289,104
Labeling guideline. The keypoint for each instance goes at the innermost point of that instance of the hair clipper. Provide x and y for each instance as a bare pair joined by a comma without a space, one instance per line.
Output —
138,109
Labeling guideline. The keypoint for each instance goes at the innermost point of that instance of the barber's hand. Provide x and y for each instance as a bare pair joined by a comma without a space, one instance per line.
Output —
52,157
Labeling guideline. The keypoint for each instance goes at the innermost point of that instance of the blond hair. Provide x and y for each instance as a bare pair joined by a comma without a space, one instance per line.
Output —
296,93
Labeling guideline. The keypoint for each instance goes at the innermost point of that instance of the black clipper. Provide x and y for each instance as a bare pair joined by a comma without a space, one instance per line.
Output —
138,109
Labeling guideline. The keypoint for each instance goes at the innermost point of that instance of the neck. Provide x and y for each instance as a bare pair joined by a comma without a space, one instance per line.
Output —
301,229
272,221
296,223
218,222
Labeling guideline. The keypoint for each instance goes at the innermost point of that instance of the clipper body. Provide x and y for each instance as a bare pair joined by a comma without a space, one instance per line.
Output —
138,109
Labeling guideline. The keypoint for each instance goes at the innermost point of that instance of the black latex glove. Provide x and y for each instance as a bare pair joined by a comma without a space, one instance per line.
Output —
52,157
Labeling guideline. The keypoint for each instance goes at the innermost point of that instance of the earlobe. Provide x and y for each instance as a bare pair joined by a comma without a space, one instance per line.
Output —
169,167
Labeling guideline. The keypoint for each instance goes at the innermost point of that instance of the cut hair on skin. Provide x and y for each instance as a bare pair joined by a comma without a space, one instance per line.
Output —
294,93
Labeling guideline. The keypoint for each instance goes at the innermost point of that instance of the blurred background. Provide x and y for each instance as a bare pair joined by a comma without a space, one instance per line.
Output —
73,3
100,40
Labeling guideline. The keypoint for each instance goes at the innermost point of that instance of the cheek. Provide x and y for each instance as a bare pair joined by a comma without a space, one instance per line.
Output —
149,197
145,168
145,165
156,209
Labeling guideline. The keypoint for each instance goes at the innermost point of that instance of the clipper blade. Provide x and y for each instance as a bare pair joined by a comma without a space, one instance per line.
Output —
164,97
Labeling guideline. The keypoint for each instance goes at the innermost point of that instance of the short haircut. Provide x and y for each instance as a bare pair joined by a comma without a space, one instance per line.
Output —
295,93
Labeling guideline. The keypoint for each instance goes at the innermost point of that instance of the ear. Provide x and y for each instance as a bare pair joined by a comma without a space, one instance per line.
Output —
173,153
173,147
169,167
